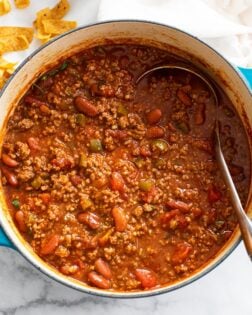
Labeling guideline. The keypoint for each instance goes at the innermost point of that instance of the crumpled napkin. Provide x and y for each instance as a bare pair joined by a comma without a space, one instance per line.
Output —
225,25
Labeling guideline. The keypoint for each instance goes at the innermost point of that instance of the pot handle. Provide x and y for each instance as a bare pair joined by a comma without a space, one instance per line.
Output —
4,241
247,73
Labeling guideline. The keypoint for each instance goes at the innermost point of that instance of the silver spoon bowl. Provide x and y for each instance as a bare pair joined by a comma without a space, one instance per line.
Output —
243,220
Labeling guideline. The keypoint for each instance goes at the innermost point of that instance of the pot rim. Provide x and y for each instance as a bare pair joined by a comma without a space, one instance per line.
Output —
117,294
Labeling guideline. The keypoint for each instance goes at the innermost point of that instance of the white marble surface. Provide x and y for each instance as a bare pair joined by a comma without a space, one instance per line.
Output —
24,291
225,291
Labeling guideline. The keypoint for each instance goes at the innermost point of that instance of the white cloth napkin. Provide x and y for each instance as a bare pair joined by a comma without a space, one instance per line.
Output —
224,24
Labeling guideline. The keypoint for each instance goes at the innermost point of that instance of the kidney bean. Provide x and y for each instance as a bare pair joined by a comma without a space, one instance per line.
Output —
85,106
7,160
199,116
213,194
147,278
181,253
32,100
33,143
49,245
184,97
117,182
154,132
10,177
90,219
103,268
177,204
45,109
154,116
98,280
20,219
119,218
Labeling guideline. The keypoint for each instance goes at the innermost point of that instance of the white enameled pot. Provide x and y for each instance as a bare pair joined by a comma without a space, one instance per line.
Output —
139,32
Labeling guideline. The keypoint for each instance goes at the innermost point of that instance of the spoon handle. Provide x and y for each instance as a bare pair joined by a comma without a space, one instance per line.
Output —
244,221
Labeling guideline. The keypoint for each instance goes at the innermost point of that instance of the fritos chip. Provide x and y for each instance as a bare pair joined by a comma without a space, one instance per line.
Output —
56,27
49,23
60,10
21,4
15,38
6,69
5,7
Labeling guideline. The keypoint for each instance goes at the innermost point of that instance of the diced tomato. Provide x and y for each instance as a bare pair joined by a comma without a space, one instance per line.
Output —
182,223
118,134
45,197
120,153
181,253
179,219
211,216
76,180
63,163
214,194
165,218
145,150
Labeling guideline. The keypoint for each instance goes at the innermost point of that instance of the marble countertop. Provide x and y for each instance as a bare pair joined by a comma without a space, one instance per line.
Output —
25,291
225,291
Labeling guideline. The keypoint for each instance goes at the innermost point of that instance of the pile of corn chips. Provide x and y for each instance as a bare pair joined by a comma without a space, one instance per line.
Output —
5,6
12,39
15,38
22,4
6,69
48,24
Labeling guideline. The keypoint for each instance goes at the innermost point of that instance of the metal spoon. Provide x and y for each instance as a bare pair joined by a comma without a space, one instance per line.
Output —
244,221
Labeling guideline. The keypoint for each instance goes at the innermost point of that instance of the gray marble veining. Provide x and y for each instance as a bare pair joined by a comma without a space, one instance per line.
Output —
224,291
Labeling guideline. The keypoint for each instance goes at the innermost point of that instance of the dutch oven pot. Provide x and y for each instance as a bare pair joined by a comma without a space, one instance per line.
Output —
140,32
